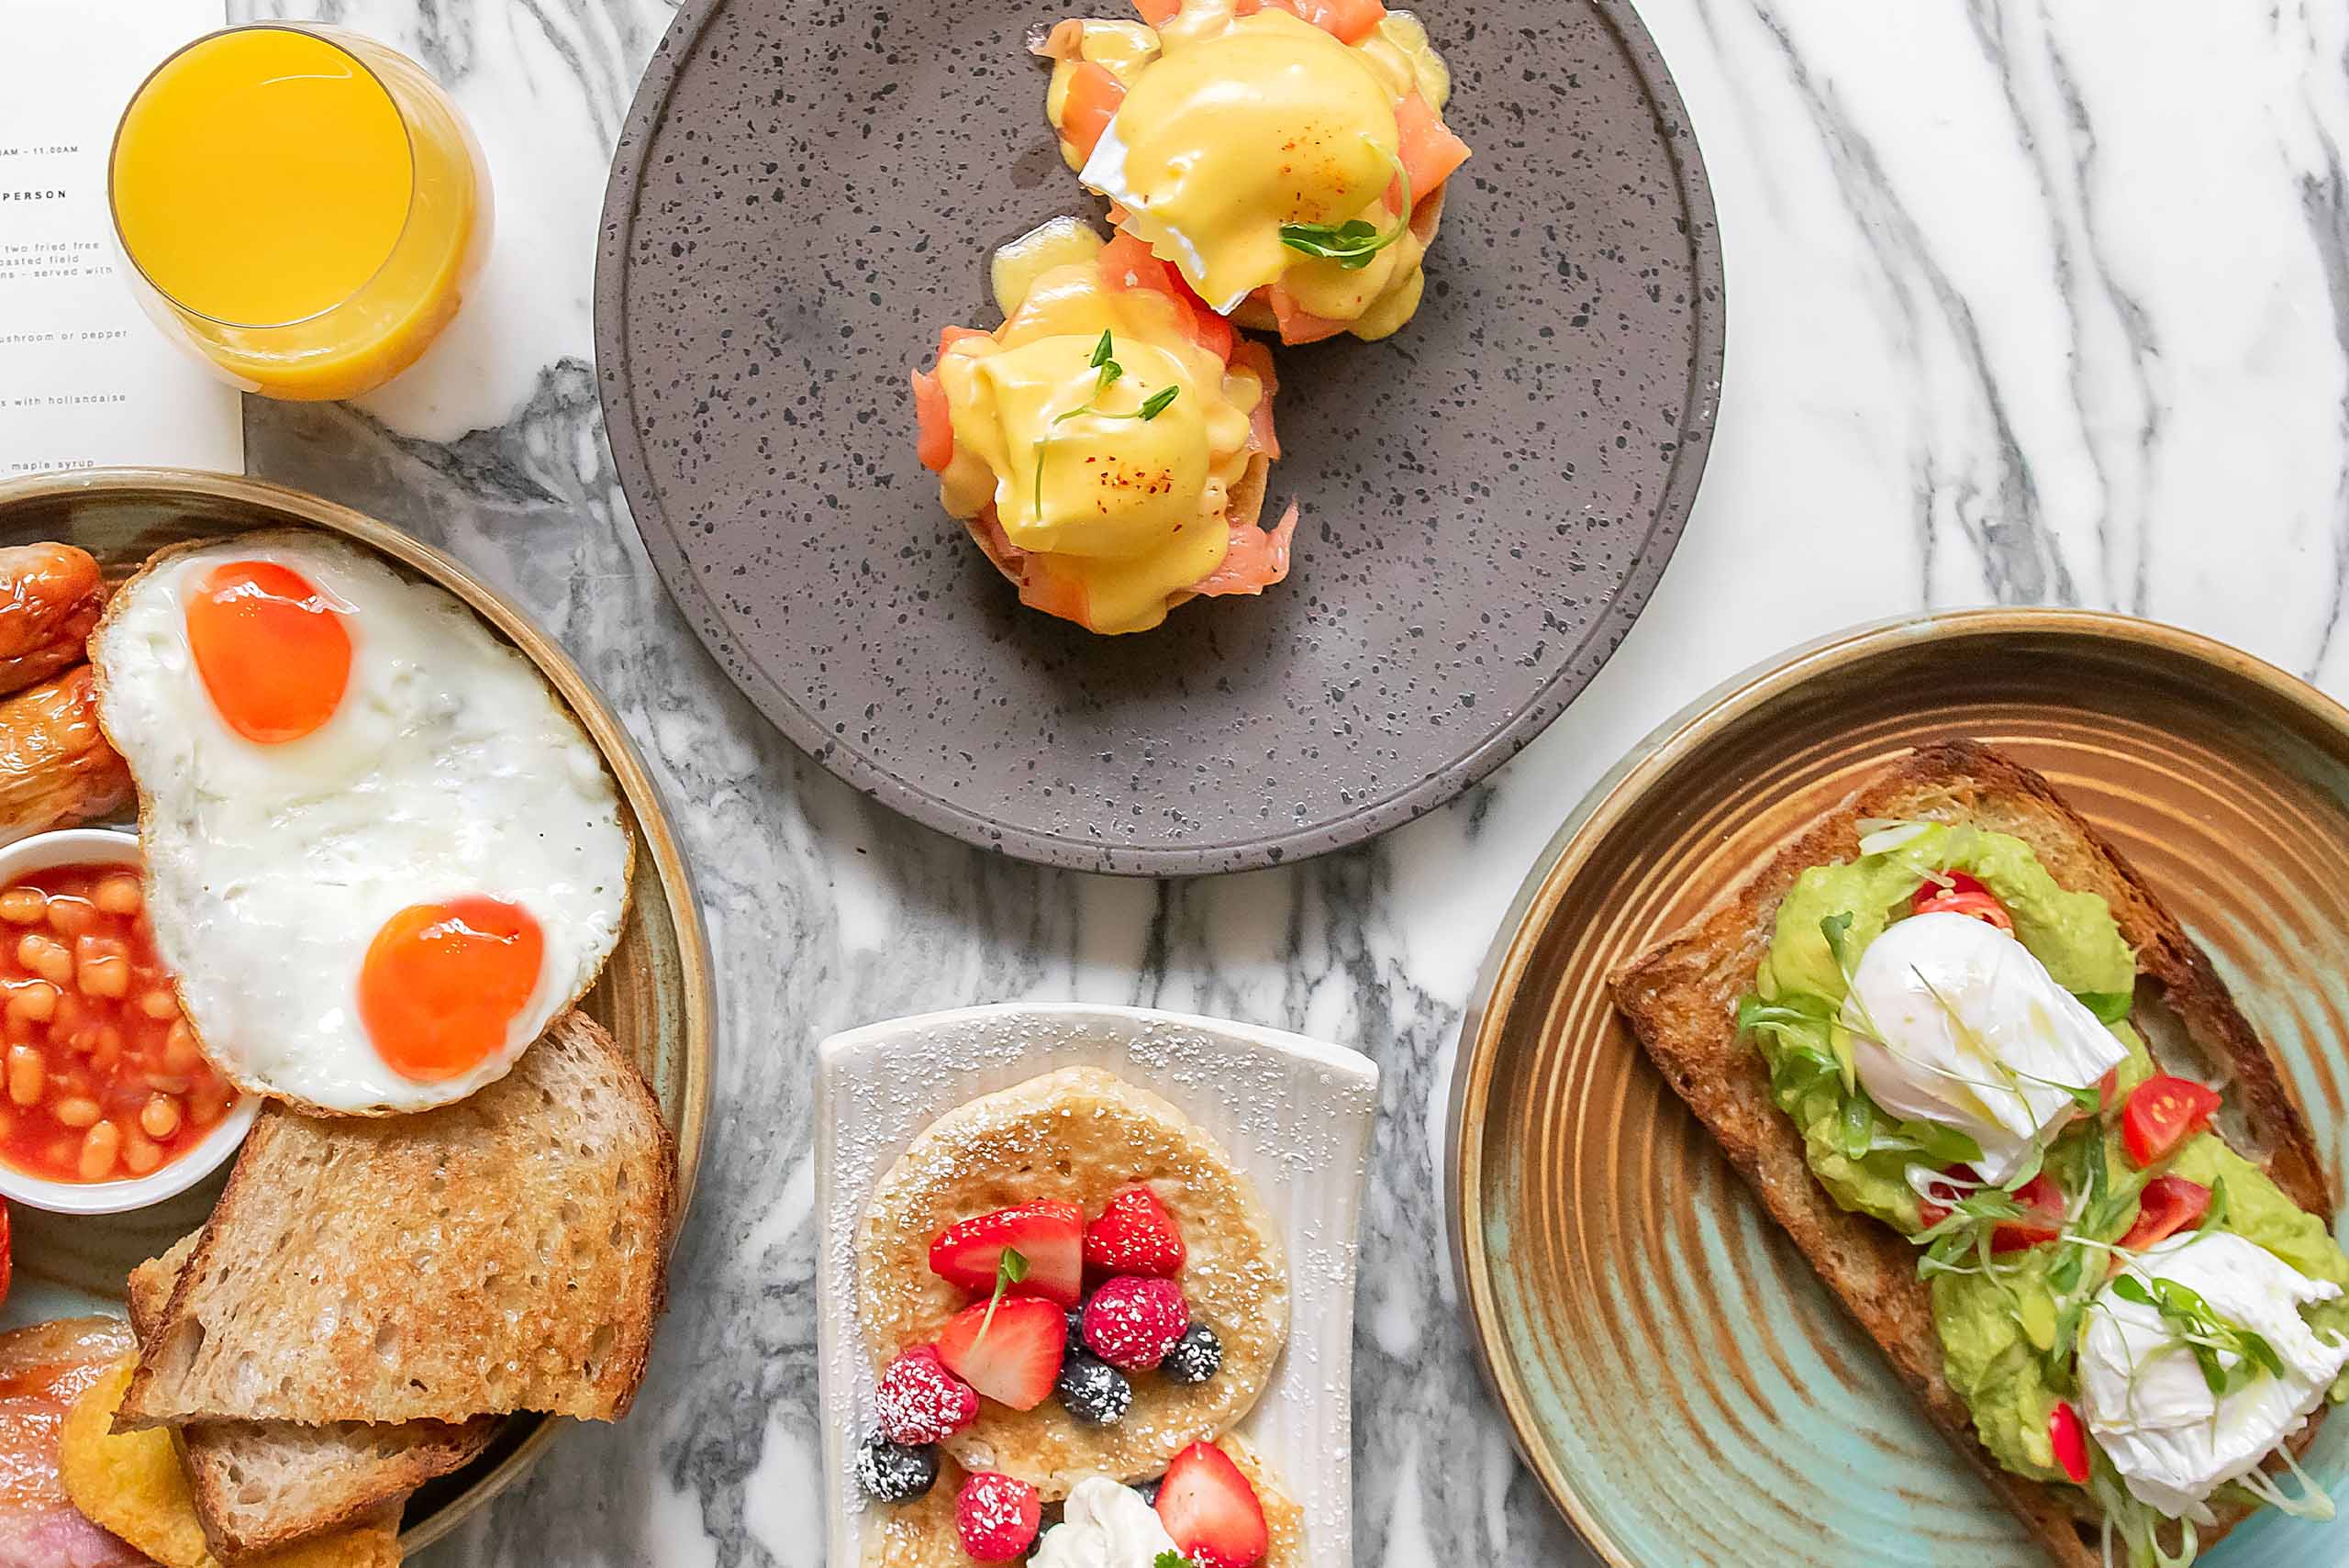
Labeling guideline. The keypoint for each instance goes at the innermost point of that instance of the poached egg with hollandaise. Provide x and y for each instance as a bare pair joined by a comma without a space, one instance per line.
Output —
1288,159
1108,446
1955,1022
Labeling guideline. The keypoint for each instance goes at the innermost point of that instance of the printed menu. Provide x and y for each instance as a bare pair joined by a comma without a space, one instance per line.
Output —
86,380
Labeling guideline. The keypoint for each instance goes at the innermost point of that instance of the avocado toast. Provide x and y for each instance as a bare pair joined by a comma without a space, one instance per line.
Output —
2018,1237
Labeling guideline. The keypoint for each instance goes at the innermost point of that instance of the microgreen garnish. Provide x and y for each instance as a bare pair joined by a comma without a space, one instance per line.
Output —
1174,1560
1353,243
2202,1328
1106,372
1010,1269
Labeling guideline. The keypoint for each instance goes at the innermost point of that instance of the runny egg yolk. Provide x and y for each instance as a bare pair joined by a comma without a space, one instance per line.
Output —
1225,138
442,983
273,652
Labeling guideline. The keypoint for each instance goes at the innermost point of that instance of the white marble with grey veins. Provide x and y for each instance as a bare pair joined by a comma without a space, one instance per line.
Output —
2029,303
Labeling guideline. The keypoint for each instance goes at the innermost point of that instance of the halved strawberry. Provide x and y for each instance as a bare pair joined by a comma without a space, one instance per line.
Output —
1135,1235
1051,1236
1211,1511
1018,1357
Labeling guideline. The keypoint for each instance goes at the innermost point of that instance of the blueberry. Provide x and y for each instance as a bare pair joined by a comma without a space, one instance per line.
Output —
1092,1391
1076,1331
1197,1356
895,1473
1149,1490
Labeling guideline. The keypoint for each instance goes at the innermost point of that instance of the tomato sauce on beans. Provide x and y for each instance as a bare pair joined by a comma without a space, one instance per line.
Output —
102,1077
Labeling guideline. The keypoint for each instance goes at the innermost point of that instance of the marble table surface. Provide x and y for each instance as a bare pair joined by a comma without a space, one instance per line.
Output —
2028,303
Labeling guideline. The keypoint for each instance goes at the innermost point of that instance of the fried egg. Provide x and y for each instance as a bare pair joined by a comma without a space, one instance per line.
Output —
381,856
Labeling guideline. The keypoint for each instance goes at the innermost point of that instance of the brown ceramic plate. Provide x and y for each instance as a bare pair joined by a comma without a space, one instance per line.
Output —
1615,1266
654,995
805,194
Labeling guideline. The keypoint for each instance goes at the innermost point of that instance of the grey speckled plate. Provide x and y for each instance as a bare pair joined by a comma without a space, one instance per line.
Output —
804,193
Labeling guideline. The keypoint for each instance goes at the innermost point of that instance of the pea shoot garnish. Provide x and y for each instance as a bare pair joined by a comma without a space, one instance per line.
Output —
1106,372
2203,1330
1353,243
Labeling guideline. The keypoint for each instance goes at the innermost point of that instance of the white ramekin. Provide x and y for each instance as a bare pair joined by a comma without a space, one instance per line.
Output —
111,846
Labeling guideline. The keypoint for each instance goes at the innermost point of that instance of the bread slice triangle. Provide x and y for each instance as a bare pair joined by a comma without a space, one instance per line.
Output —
1682,1000
503,1253
260,1485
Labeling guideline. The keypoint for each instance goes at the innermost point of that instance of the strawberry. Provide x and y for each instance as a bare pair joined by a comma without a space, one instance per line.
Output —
1132,1323
997,1516
1211,1511
1135,1235
1016,1359
921,1402
1050,1236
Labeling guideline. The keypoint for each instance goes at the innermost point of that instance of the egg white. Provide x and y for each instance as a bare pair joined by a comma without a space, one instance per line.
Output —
2144,1396
449,769
1955,1023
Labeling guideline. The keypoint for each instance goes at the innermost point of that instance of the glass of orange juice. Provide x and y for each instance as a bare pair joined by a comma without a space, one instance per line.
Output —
302,207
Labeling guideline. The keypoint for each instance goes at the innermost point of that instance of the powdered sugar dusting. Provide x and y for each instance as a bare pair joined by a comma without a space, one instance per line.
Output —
1293,1115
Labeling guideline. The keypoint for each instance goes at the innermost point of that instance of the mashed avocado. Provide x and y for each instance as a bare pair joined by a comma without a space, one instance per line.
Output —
2002,1334
2072,933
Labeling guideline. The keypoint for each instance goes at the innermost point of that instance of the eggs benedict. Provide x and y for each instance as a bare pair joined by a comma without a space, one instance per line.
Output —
1287,158
1108,445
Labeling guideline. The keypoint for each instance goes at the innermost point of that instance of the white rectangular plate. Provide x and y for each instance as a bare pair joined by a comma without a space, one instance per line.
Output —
1294,1113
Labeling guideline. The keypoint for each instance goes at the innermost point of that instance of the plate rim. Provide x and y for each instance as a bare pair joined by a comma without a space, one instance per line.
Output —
1521,928
1675,502
646,801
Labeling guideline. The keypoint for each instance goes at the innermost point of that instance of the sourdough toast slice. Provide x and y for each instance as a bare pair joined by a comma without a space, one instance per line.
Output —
260,1486
503,1253
1682,998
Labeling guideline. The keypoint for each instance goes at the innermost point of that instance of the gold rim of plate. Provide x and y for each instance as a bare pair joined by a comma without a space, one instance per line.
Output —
656,993
2186,754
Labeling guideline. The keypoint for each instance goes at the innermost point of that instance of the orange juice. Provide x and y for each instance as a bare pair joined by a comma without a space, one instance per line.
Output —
302,206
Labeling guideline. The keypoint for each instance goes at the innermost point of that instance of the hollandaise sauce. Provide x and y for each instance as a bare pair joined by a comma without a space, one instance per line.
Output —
1105,439
1228,142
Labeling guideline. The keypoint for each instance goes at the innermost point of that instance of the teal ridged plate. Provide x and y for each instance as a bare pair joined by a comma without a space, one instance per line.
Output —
1676,1376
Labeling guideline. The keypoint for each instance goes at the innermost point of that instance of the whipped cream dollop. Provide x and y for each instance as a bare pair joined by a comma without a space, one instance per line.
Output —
1103,1525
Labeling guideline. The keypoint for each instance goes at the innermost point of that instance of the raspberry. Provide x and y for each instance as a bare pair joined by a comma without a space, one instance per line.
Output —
1132,1323
921,1402
997,1517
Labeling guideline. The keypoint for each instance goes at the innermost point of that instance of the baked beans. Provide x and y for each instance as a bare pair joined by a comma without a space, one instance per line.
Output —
104,1078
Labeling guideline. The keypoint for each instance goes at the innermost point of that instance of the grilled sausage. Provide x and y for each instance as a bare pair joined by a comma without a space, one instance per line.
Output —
51,595
55,768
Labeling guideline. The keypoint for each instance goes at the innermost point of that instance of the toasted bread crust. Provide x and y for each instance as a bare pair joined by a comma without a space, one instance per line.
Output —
1681,998
412,1249
347,1473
